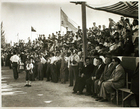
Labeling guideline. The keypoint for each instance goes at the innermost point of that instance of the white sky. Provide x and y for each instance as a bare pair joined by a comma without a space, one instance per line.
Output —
19,15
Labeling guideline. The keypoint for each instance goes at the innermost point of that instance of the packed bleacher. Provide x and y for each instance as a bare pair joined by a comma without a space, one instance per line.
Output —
59,58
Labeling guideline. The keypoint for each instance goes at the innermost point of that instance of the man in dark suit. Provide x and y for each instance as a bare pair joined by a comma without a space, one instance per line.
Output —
116,81
85,74
95,75
109,67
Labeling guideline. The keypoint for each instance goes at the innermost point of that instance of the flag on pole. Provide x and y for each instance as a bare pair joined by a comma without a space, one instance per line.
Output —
67,22
32,29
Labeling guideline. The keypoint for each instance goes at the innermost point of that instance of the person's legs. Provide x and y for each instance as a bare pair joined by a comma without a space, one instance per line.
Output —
30,79
71,76
96,86
48,72
82,83
76,72
106,87
88,85
15,73
27,78
75,89
41,71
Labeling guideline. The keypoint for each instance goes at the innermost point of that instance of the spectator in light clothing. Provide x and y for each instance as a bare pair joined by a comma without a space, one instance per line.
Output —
29,73
74,60
43,61
15,61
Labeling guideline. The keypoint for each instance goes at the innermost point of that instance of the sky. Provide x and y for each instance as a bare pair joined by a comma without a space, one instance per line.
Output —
19,15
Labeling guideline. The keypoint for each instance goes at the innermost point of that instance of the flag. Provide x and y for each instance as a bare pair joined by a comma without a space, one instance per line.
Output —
32,29
67,22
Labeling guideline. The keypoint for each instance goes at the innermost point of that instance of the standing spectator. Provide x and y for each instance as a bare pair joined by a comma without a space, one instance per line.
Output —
15,61
53,68
135,30
40,68
74,59
63,69
58,64
135,37
8,59
29,73
111,24
43,61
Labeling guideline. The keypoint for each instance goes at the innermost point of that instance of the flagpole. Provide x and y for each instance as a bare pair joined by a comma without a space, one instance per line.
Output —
60,20
18,38
31,35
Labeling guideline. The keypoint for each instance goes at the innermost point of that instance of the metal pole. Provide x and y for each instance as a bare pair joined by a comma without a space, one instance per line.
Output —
84,35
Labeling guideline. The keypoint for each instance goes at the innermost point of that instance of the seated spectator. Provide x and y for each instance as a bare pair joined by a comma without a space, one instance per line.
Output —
116,81
116,49
85,74
95,76
109,67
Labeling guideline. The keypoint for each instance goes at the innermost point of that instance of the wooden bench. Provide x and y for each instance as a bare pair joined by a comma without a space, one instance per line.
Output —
129,64
124,91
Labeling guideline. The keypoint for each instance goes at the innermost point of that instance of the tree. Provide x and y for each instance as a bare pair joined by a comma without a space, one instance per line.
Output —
3,44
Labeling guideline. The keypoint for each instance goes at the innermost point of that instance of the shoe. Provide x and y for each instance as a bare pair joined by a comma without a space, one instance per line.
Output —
79,93
97,99
48,80
26,85
103,100
74,92
87,94
70,85
94,96
29,85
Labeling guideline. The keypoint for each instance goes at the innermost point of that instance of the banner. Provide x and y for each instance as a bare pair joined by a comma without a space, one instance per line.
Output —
67,23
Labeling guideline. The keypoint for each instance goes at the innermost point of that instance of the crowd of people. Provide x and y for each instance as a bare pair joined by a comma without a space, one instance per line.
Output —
60,58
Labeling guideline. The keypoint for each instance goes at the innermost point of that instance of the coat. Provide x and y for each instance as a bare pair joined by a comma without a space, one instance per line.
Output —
118,76
107,72
99,71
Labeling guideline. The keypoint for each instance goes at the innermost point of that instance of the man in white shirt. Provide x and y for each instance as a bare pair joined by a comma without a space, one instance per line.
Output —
53,68
43,61
15,61
74,59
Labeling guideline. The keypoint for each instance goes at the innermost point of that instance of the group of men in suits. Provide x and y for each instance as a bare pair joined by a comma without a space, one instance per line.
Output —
100,80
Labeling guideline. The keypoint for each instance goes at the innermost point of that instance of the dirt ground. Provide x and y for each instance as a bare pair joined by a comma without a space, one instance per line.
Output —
42,94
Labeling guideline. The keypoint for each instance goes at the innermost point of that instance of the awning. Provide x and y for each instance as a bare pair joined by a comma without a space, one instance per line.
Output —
126,9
